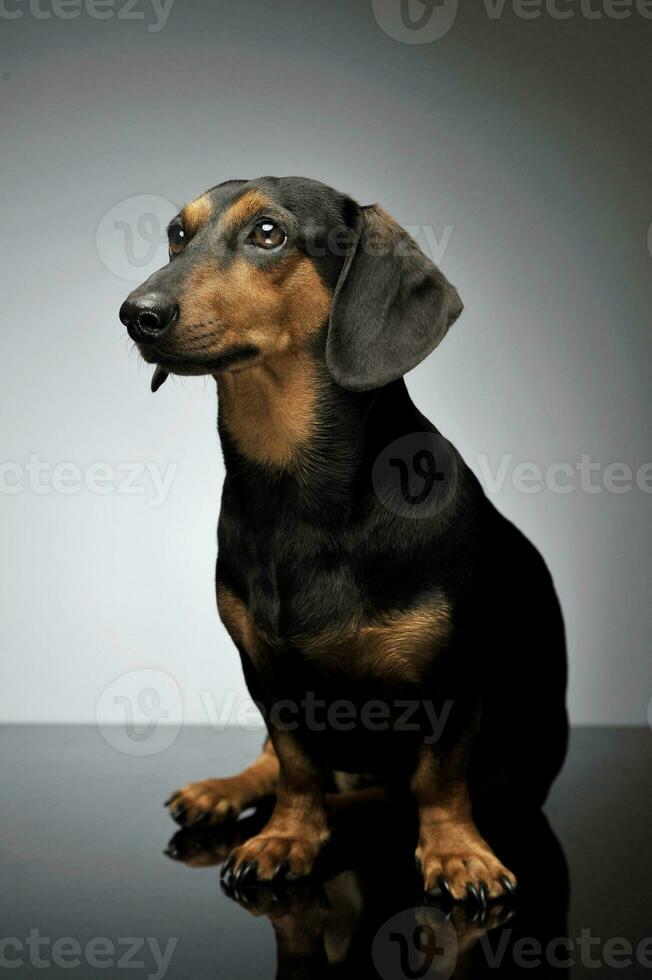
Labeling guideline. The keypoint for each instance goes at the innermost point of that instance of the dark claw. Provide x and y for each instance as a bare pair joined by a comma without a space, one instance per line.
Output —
473,894
483,916
281,871
178,813
507,885
226,867
203,819
445,889
247,870
483,892
171,851
251,875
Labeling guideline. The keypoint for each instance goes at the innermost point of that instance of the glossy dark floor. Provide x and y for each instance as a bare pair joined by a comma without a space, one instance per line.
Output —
88,890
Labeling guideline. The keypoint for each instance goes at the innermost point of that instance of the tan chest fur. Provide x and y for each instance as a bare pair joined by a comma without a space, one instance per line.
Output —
396,646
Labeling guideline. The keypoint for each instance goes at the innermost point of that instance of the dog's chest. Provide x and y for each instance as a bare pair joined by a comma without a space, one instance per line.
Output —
317,626
316,606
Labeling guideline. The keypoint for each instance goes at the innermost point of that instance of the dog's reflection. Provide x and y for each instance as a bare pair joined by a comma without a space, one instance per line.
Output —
364,914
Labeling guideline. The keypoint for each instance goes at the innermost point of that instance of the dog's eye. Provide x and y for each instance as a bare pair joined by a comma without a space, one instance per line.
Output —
268,235
176,239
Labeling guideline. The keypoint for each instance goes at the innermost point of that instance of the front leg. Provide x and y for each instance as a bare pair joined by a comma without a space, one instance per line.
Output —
456,861
297,830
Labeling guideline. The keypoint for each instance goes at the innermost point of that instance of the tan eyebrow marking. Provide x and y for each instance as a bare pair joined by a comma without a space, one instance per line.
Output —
245,207
196,214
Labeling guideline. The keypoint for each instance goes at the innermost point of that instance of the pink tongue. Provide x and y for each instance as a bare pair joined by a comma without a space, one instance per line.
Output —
158,378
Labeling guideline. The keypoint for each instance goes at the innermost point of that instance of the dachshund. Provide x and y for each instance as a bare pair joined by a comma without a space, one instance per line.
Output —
395,630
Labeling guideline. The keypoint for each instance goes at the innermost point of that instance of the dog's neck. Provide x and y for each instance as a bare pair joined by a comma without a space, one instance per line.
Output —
269,410
286,422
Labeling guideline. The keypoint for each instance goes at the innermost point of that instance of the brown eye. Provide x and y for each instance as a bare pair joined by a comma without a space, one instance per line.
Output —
268,235
176,239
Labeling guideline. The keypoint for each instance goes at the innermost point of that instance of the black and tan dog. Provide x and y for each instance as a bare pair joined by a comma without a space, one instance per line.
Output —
361,567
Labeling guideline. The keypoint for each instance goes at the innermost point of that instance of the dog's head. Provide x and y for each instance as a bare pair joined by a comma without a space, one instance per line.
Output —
267,267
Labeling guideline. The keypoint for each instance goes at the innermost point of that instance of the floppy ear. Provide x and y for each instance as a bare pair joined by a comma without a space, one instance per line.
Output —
391,306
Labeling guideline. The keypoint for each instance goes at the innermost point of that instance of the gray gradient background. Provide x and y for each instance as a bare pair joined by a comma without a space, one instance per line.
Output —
530,138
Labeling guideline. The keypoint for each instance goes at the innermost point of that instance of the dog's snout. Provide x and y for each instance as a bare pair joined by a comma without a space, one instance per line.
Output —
148,316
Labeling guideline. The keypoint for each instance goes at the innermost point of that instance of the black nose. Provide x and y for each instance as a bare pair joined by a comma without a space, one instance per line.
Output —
148,317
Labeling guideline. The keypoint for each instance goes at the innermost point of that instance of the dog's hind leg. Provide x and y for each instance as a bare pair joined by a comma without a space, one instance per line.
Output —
214,801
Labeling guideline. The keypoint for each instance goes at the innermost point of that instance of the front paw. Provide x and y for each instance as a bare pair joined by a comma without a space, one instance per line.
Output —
463,867
272,856
207,803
